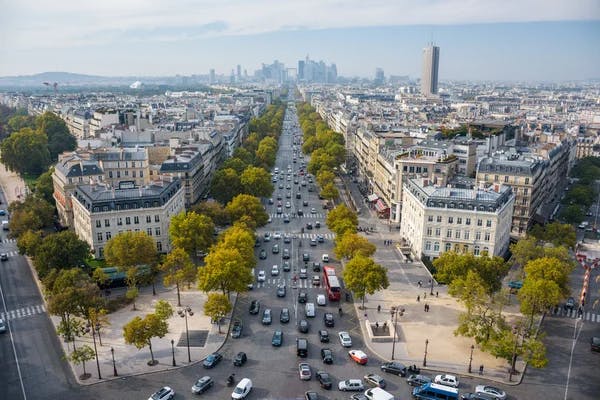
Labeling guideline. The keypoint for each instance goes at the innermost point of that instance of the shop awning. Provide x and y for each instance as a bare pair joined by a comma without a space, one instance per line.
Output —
380,206
372,197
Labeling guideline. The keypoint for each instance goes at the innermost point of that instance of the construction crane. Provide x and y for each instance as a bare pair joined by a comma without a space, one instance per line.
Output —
54,85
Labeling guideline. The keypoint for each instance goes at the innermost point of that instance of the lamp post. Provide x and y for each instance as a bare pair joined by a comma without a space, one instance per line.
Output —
431,291
173,351
425,355
513,359
183,313
112,353
471,357
394,313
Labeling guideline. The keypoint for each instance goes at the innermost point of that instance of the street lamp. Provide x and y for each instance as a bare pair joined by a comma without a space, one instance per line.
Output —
173,351
394,313
425,355
431,281
471,357
112,353
183,313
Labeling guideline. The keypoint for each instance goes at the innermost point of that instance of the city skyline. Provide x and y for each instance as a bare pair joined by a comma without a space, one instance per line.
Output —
498,40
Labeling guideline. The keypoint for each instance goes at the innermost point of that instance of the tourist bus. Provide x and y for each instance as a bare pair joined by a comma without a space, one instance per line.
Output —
331,283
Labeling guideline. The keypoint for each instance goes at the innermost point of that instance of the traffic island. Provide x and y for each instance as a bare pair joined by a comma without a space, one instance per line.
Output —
380,332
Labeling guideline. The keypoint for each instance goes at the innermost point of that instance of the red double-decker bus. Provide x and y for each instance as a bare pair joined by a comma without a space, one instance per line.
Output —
331,283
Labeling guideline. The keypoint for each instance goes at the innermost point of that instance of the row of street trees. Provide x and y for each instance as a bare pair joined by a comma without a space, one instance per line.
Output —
583,193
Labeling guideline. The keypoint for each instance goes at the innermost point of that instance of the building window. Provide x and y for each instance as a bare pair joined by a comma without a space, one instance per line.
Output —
456,247
156,218
429,231
448,246
466,235
449,233
525,191
159,246
450,220
459,220
488,223
141,174
157,231
430,218
527,181
465,248
457,234
495,178
101,252
487,250
438,232
108,235
477,235
107,223
149,231
119,221
133,174
118,174
136,220
110,174
486,237
98,224
479,222
476,250
148,219
436,246
99,236
127,220
506,179
439,218
428,246
467,221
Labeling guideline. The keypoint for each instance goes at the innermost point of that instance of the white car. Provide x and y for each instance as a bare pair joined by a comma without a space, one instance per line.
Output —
242,389
345,339
287,204
261,276
304,371
491,391
353,385
447,380
321,300
277,235
165,393
325,258
275,270
2,326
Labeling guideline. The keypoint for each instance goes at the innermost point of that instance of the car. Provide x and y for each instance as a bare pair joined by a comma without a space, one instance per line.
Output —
257,242
236,329
261,276
351,385
316,281
271,199
300,213
286,218
359,356
320,238
446,380
242,389
279,196
286,266
325,258
284,315
323,336
266,318
327,356
304,372
255,307
394,367
288,195
288,187
476,396
317,224
302,297
277,235
263,254
287,238
328,320
275,249
277,338
288,204
305,203
202,385
240,359
321,300
309,225
305,257
316,266
279,210
303,274
280,186
275,270
2,326
345,339
286,254
493,391
164,393
303,326
570,303
313,242
2,212
298,195
418,380
324,379
281,290
310,395
595,343
267,237
375,380
359,396
313,210
3,257
212,360
270,219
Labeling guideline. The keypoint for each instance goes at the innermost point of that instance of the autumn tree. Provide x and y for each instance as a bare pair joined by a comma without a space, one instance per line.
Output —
266,152
224,270
257,182
552,269
179,270
217,306
82,355
248,209
191,232
241,238
330,192
33,213
28,242
325,177
140,331
363,276
341,219
214,210
556,233
225,185
351,244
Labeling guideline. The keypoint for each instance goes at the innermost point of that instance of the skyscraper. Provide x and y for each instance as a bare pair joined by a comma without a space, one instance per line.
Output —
212,78
429,78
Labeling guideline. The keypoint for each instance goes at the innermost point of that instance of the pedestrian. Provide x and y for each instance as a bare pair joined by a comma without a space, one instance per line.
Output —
376,325
418,298
379,308
425,307
420,284
424,295
385,325
481,369
436,294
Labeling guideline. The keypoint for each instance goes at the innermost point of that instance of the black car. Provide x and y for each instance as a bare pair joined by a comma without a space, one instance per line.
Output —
328,320
305,203
240,359
418,380
595,343
286,218
277,338
570,304
477,396
257,242
236,329
300,213
303,326
327,356
212,360
394,368
255,307
202,385
305,257
286,266
309,226
302,297
281,291
323,336
284,316
324,379
310,395
316,267
263,254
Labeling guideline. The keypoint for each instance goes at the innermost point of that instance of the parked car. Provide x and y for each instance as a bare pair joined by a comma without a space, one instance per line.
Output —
164,393
394,367
595,343
345,339
418,380
243,388
240,359
324,379
310,395
492,391
284,316
359,356
323,336
353,385
254,307
375,380
212,360
277,338
202,385
327,356
304,371
236,329
447,380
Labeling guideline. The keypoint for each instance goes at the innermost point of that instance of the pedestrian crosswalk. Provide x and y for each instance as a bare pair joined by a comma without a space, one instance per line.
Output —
9,240
573,313
317,216
305,235
274,282
23,312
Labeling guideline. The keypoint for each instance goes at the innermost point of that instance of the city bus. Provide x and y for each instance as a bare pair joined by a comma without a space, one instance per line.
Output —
331,283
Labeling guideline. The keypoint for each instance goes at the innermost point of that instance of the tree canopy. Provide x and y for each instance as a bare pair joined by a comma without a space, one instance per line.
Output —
341,219
61,250
191,232
351,244
257,182
26,152
248,209
363,276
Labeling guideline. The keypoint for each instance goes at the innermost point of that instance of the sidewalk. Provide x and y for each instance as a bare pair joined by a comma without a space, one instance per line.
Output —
128,359
445,351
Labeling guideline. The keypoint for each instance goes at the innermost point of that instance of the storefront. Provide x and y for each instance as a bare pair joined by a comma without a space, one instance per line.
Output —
383,211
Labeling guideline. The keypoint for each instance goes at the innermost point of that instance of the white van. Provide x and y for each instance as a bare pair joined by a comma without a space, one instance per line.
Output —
309,309
325,258
378,394
5,225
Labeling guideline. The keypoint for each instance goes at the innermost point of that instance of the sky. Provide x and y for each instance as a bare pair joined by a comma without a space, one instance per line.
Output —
513,40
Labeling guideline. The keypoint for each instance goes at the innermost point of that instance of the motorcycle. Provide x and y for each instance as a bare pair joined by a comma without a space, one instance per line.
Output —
413,369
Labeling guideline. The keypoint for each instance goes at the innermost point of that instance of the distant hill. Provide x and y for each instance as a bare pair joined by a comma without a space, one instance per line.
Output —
63,79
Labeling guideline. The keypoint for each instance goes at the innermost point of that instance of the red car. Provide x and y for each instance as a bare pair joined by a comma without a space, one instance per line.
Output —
358,356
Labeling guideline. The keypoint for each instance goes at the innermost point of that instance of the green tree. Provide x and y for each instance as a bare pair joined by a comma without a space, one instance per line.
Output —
572,214
552,269
44,187
537,296
342,219
191,232
61,250
245,155
224,270
330,192
235,164
324,177
140,331
25,152
350,244
127,251
583,195
266,152
163,310
179,270
226,184
239,237
526,249
19,122
59,137
82,355
556,233
248,209
28,242
33,214
363,276
214,210
217,306
257,182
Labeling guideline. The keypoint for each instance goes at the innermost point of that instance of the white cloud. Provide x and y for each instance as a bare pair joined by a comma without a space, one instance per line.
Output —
27,24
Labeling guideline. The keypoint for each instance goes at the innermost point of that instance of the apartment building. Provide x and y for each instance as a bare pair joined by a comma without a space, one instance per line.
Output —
78,123
438,218
187,165
123,164
103,118
101,212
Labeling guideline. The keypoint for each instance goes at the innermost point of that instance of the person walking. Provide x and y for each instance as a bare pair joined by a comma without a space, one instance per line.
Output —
418,298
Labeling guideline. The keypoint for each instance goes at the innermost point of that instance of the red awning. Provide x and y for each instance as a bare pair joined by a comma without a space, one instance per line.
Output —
380,206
